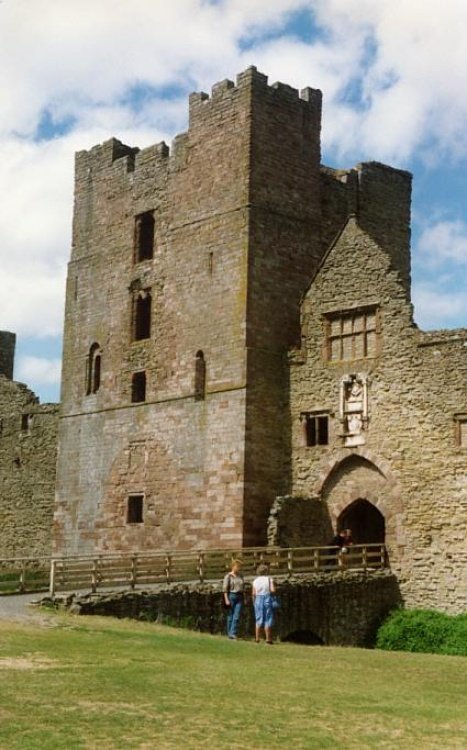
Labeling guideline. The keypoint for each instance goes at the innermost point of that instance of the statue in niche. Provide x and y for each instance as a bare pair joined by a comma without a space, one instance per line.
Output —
353,408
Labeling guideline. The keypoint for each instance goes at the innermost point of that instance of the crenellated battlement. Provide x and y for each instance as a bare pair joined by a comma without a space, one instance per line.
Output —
250,87
254,83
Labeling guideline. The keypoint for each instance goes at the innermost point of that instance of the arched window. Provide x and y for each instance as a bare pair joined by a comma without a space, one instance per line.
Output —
93,369
144,237
142,315
200,376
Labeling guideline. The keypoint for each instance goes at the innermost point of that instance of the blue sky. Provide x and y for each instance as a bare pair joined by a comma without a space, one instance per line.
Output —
75,73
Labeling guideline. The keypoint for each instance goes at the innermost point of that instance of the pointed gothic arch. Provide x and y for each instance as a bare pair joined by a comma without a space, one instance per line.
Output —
366,522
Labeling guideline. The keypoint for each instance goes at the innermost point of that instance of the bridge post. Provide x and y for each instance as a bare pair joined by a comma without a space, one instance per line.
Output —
94,577
133,572
22,576
316,558
201,567
290,562
53,571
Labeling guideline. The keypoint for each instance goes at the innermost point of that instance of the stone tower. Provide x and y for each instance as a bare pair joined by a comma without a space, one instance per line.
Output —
183,294
7,353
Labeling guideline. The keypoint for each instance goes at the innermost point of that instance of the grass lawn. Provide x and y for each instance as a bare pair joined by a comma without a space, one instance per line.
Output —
102,683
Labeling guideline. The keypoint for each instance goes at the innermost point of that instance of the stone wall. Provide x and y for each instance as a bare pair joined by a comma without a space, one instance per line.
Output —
232,200
294,521
333,608
406,460
28,454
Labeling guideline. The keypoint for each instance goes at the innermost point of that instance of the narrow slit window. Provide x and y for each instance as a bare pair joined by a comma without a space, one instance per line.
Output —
138,387
26,423
93,369
200,376
142,316
144,237
135,509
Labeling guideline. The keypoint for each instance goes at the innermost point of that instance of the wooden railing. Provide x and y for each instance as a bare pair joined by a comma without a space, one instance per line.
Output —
105,571
26,574
21,574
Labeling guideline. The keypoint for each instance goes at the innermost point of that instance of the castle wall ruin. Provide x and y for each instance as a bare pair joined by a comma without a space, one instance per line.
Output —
28,454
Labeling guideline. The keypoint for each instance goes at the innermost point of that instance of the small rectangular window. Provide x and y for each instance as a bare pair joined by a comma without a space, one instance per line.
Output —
135,509
316,429
138,387
26,423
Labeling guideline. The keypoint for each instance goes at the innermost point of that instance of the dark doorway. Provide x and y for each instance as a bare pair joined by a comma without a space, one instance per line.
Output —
365,522
304,637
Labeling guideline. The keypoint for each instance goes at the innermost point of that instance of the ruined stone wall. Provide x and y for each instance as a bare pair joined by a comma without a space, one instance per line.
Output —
28,454
342,609
406,460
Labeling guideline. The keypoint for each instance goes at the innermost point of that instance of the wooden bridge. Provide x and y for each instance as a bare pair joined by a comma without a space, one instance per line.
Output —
94,572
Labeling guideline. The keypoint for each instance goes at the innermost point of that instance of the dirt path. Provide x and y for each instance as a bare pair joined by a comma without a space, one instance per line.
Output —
16,607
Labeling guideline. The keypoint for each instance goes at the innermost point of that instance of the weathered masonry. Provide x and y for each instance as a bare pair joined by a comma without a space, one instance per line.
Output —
240,356
28,454
183,293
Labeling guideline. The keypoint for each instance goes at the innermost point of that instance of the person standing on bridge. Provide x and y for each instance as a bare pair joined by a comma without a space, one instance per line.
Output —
232,588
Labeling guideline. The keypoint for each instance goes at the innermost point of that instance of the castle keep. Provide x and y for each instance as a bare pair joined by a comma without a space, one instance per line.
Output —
240,357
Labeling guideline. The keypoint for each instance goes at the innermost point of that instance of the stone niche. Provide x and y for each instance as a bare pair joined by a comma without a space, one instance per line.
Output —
353,409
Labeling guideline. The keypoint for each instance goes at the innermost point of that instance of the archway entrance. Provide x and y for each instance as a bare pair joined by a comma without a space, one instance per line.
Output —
365,521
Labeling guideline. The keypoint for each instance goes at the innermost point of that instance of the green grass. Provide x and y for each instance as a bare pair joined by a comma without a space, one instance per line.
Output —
97,683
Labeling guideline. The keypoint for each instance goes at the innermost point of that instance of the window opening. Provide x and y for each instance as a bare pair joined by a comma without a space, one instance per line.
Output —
200,376
316,429
142,315
138,387
93,369
135,509
460,424
144,237
26,423
352,335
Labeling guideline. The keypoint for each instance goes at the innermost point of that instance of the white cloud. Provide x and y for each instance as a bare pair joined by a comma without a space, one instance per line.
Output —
437,306
38,370
444,242
414,83
79,60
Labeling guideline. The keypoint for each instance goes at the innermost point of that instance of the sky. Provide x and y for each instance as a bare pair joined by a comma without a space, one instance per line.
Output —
74,73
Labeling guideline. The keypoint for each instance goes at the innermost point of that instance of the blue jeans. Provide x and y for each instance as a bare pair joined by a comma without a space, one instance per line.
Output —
233,615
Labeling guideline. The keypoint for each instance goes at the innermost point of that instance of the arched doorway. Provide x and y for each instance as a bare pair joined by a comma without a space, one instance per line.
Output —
365,521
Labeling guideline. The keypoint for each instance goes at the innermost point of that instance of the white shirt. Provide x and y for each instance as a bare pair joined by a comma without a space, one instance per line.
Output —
262,585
